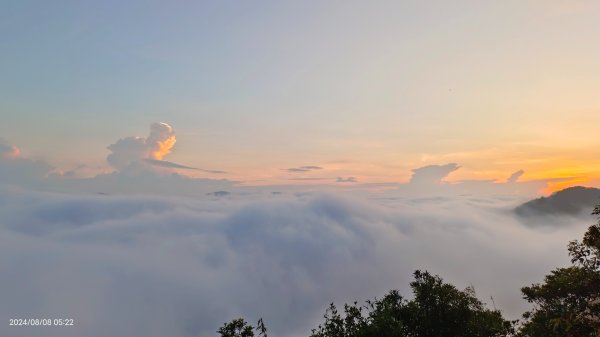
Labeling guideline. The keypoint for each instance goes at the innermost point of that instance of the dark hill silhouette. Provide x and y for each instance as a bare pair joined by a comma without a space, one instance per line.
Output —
570,201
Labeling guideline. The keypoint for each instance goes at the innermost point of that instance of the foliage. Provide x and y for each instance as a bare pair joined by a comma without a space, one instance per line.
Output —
437,310
567,304
240,328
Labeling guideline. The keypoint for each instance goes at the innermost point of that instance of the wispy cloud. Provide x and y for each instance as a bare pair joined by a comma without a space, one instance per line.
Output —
309,179
169,164
346,180
303,169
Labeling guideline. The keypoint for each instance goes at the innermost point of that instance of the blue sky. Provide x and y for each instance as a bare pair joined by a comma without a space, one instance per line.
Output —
252,87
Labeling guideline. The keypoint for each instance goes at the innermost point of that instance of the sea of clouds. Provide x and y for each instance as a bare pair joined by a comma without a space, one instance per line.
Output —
180,266
146,251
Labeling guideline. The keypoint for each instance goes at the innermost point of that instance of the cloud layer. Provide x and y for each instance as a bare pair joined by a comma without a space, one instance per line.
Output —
158,266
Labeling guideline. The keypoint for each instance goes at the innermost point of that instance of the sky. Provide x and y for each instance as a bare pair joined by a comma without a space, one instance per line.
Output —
363,89
168,166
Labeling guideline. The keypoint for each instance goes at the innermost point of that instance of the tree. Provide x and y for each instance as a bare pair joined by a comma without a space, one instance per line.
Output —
437,310
440,309
567,304
240,328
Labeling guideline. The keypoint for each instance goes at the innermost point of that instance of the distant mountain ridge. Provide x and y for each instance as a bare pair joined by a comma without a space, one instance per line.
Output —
570,201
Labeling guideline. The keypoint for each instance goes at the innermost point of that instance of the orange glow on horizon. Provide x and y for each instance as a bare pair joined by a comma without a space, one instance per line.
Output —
561,185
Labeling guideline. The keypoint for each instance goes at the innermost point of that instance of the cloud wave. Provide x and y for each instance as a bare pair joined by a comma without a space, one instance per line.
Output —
158,266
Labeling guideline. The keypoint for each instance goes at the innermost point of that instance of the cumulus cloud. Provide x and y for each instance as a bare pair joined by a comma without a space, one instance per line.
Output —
134,158
158,266
18,170
432,174
131,151
515,177
161,140
139,152
127,151
9,151
430,181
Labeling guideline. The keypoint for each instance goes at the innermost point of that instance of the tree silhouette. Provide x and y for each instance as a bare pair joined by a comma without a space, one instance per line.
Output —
240,328
567,304
437,310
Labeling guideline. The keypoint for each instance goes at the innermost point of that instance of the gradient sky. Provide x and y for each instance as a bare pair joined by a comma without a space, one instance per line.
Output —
369,89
